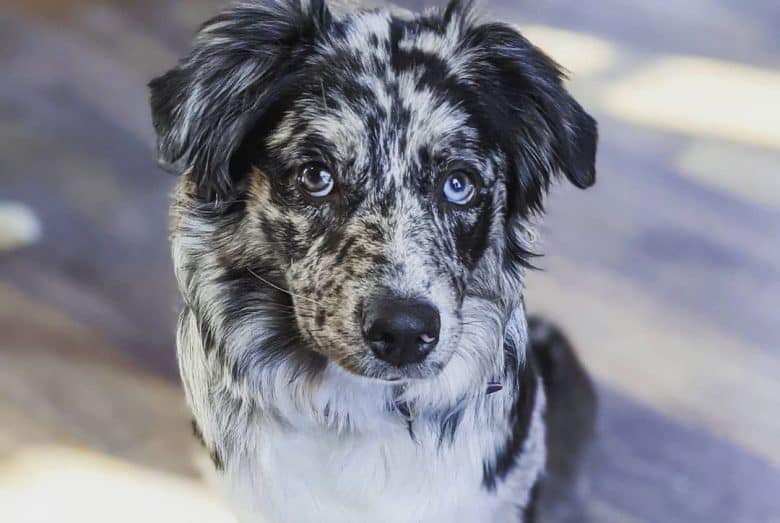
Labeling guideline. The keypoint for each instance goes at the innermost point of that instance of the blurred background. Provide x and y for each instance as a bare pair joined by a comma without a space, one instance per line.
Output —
665,275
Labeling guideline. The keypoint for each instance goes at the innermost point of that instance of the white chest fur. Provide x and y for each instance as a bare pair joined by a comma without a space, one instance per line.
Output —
301,476
360,479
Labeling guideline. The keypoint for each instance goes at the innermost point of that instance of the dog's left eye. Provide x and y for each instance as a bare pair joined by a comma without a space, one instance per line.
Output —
316,180
459,188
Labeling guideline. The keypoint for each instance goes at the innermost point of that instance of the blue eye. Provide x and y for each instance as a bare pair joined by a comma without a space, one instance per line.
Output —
316,180
458,188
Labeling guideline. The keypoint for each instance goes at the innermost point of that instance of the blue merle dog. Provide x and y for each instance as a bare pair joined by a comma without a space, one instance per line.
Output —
350,235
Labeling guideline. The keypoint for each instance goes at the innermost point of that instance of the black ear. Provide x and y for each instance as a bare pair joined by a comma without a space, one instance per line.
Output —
582,129
546,131
241,64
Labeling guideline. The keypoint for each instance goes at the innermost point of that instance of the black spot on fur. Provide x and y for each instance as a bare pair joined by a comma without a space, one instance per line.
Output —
449,426
387,203
359,252
345,249
472,240
330,241
379,260
208,338
530,513
197,433
216,459
243,294
517,256
520,420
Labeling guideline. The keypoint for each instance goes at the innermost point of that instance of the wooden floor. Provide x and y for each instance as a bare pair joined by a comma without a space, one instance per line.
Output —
666,274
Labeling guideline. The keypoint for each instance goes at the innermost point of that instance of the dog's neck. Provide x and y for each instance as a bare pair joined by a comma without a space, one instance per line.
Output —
409,413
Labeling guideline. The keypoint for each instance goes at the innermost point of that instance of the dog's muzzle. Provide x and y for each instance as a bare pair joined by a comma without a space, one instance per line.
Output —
400,331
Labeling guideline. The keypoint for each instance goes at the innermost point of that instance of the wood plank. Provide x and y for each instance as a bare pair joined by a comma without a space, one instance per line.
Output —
61,382
665,273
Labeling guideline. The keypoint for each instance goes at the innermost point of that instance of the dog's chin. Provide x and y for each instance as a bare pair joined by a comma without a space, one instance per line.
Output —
372,368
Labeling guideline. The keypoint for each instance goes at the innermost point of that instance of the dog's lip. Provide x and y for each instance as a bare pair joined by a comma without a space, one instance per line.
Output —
390,380
390,376
379,377
407,374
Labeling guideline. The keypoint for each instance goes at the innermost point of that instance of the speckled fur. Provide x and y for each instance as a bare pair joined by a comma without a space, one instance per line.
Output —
304,423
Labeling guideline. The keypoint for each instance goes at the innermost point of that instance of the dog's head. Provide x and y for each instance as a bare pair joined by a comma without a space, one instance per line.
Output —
366,175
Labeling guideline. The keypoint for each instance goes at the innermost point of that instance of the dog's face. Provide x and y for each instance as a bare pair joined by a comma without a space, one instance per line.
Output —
374,168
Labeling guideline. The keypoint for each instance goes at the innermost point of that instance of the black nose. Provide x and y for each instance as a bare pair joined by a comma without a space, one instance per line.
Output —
400,331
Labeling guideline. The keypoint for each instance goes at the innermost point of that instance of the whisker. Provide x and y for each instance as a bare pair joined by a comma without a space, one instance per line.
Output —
213,205
253,273
324,100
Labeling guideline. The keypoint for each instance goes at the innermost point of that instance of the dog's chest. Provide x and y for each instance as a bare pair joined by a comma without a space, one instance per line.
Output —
383,477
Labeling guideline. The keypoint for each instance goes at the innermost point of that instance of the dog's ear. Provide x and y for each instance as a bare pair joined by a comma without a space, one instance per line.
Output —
544,129
241,64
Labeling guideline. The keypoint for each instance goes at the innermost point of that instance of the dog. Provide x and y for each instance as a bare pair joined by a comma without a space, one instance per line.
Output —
351,233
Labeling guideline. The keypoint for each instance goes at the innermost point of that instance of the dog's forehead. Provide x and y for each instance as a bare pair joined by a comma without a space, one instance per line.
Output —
385,97
374,34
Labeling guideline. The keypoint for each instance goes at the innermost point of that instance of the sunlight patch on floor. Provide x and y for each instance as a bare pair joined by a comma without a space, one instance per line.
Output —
675,364
19,226
49,483
750,174
701,97
581,54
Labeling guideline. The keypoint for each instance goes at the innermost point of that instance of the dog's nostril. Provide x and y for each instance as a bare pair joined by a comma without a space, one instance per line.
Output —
425,338
399,331
386,338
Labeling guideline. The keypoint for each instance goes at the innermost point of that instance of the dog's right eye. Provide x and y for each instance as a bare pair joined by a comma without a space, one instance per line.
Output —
316,180
459,188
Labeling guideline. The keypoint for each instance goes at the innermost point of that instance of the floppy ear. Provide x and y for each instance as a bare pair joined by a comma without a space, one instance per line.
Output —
241,64
546,131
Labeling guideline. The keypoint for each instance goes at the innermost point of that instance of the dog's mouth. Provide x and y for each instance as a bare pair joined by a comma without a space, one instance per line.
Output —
381,371
364,363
